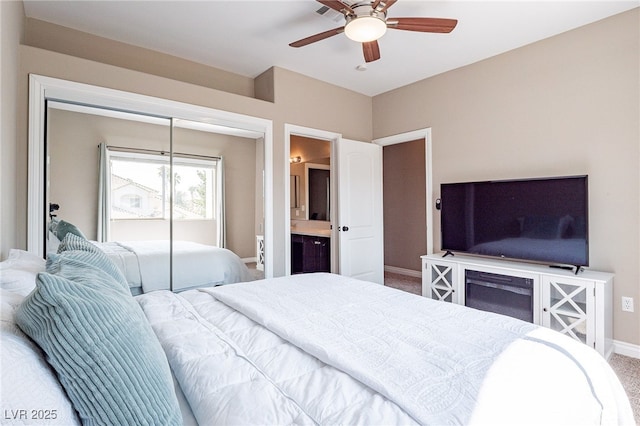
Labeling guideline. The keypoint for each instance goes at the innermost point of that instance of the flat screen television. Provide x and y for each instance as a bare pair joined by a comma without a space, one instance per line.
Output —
543,220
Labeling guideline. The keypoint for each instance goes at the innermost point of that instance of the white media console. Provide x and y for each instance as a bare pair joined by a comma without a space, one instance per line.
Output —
578,305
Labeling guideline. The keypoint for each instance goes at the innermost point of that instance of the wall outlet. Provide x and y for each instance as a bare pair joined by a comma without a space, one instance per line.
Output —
627,304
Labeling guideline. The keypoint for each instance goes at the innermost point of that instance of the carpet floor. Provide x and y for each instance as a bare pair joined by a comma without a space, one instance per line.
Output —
626,368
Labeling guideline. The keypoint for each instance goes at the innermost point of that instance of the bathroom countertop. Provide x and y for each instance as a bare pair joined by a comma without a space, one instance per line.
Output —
311,232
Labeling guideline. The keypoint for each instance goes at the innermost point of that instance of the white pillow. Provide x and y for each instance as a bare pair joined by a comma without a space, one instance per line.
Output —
18,273
31,393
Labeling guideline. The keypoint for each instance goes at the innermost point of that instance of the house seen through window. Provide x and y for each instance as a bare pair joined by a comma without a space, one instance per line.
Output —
141,187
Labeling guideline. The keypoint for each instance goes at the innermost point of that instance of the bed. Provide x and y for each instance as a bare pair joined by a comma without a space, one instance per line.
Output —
147,264
304,349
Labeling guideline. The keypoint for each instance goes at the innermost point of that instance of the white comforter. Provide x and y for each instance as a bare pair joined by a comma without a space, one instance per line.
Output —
276,352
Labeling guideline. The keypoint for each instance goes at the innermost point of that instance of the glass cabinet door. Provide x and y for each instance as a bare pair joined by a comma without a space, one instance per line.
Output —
568,307
442,282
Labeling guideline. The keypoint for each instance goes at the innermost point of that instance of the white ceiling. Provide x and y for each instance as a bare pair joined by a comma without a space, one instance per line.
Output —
248,37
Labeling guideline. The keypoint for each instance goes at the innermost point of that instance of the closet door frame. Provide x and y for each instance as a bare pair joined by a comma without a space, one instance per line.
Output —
42,88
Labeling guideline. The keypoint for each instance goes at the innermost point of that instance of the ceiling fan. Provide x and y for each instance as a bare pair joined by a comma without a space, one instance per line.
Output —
367,21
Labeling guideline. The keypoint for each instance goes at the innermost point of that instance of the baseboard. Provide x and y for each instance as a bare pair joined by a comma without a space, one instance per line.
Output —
249,259
626,349
403,271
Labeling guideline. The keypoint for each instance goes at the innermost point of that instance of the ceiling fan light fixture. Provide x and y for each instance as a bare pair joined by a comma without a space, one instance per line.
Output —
364,29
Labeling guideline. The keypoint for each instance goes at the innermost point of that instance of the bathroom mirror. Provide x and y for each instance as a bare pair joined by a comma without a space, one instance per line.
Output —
310,161
318,191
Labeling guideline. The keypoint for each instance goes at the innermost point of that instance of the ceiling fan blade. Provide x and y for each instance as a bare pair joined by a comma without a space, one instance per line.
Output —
337,5
425,25
387,5
371,51
317,37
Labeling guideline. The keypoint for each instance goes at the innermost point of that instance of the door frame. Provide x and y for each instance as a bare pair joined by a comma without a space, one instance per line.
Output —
332,138
408,137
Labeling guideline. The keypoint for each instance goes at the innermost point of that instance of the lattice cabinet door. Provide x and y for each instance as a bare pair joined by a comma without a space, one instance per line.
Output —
568,306
260,252
442,281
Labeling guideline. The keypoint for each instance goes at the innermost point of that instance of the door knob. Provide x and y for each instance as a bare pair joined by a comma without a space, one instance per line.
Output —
345,228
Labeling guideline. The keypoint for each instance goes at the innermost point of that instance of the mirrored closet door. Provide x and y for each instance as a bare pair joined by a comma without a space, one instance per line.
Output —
217,192
177,202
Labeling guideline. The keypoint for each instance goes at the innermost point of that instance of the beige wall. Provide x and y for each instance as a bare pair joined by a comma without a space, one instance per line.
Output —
46,35
11,23
405,216
565,105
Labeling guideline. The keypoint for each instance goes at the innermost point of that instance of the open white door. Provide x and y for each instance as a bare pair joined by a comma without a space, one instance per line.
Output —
360,222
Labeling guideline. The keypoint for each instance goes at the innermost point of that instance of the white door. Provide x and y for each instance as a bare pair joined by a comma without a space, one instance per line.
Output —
360,233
